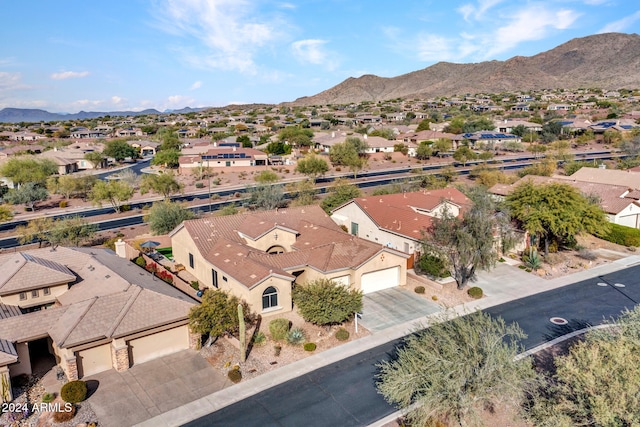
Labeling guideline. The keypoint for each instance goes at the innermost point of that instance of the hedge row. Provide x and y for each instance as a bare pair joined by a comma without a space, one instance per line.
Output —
622,235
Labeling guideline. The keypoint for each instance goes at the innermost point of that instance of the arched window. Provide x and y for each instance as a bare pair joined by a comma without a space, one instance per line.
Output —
269,298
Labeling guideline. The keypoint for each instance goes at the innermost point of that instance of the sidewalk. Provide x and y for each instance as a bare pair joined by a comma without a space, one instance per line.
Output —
502,284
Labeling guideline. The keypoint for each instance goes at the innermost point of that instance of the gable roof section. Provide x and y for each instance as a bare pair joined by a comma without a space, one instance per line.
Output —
397,213
608,176
8,353
23,272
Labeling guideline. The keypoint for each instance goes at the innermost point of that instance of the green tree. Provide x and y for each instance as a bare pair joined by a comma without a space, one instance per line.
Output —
28,194
71,231
266,197
36,230
6,213
423,125
360,145
167,158
267,177
216,315
119,150
466,242
325,302
28,169
424,151
95,158
453,370
245,141
227,210
537,149
165,215
342,154
598,382
278,148
312,166
170,140
464,154
165,184
115,192
442,146
455,126
342,191
555,212
304,192
296,136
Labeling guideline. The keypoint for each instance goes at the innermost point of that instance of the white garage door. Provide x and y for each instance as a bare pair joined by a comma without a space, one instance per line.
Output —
379,280
158,345
94,360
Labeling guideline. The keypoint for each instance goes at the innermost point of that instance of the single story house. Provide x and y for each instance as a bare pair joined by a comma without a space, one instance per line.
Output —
490,138
258,256
107,313
224,157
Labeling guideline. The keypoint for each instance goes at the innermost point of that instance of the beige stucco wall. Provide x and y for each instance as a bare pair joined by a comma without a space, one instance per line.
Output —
23,366
368,230
159,344
286,239
94,360
42,299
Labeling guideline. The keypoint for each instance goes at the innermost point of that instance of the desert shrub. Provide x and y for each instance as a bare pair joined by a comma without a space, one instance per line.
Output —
419,289
234,375
433,266
622,235
195,284
259,338
199,185
63,204
277,349
309,346
63,415
141,262
434,297
342,334
296,336
74,391
279,328
587,254
125,208
475,292
553,259
48,397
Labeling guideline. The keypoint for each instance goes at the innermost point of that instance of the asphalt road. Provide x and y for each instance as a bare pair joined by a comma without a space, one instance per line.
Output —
344,393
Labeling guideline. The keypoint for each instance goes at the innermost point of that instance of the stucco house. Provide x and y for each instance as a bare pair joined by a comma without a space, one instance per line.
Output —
397,221
107,313
223,157
258,256
620,203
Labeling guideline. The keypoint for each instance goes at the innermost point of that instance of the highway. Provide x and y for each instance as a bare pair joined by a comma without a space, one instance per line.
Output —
225,196
344,393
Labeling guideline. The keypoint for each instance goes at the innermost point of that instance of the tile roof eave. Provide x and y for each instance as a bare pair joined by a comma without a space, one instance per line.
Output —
383,249
268,276
34,287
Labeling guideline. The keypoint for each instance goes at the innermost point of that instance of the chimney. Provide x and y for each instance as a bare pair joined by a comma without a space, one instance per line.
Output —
120,249
333,134
365,136
234,148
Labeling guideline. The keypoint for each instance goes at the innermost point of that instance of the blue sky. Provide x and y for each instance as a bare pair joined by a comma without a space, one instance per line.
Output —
72,55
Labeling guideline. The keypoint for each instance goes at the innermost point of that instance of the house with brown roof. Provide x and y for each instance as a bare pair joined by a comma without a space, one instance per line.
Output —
113,314
398,221
258,256
223,157
620,203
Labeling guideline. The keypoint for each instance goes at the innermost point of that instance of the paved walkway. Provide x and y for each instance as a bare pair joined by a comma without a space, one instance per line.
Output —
504,283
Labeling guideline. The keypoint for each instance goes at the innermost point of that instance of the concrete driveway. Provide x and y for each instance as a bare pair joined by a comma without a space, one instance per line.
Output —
394,306
148,389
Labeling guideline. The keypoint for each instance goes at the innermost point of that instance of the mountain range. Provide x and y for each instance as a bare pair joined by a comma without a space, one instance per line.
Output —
606,61
32,115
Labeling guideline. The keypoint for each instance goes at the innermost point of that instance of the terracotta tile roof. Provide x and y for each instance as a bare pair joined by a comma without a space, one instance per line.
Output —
320,244
613,198
23,272
407,214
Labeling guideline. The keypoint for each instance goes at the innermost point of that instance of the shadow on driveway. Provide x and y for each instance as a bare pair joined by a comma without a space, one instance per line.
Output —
394,306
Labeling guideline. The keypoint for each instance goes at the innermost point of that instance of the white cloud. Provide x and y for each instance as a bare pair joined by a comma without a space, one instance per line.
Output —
69,75
469,11
621,25
196,85
10,81
231,31
312,51
285,5
179,101
432,47
534,22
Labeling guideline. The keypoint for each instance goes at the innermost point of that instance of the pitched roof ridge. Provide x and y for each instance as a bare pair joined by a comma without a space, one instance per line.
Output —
137,290
71,327
20,256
